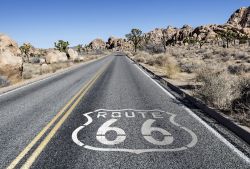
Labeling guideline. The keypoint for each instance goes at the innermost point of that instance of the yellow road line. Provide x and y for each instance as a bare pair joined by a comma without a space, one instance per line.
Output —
46,128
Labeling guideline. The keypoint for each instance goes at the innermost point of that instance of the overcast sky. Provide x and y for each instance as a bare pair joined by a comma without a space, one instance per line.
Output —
42,22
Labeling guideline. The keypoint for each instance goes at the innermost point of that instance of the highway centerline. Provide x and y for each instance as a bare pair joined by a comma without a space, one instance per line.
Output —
62,113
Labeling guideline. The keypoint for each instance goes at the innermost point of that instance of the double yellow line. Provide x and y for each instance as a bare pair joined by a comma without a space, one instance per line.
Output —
63,113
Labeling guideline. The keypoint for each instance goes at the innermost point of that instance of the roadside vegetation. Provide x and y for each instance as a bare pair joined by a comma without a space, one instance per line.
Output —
216,71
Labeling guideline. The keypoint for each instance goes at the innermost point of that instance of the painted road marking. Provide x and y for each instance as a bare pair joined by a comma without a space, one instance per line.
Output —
212,130
109,124
84,89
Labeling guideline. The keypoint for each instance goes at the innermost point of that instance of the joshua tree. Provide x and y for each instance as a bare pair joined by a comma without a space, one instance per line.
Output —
164,39
62,46
147,38
25,49
79,48
244,39
190,40
136,37
227,36
86,48
201,41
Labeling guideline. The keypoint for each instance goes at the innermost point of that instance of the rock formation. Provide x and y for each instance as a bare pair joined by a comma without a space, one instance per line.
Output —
73,54
240,18
55,56
97,44
10,62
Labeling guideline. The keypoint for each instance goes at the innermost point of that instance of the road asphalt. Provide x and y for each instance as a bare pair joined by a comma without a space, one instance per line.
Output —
124,120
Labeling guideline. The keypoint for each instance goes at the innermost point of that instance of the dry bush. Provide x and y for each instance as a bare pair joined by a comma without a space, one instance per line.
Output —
167,63
157,60
59,65
154,48
142,56
218,88
171,67
4,81
177,52
241,55
241,105
238,69
128,53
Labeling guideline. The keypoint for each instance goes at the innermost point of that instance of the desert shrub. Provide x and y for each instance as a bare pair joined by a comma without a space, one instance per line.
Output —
241,55
218,88
177,52
238,69
201,51
27,75
77,60
142,56
98,52
171,68
188,67
4,81
154,48
140,59
241,105
157,60
60,65
208,55
128,53
225,53
35,60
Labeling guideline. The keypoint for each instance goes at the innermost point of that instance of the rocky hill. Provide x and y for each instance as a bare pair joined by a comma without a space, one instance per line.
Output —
240,18
238,23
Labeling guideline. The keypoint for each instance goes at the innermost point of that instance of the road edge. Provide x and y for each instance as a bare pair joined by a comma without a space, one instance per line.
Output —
224,121
23,84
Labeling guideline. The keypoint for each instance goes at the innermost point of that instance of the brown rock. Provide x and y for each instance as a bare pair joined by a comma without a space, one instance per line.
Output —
6,43
73,54
240,18
55,56
97,44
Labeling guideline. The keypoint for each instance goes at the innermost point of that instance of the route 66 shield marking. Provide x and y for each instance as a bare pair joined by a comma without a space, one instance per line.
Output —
134,131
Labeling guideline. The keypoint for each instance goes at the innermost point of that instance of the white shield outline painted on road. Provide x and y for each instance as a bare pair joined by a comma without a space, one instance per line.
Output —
136,151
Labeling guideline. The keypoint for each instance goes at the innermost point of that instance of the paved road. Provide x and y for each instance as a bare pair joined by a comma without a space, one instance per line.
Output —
26,111
122,119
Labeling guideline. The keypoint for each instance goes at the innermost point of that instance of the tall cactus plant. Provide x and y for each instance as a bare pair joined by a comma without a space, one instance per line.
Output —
62,46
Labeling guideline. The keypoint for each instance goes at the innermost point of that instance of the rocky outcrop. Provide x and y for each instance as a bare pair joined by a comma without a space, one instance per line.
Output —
240,18
73,55
118,44
10,65
55,56
97,44
155,36
6,43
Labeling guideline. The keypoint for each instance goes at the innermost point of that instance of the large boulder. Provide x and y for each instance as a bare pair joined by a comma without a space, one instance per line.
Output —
8,58
118,44
45,68
73,54
6,43
97,44
55,56
10,65
155,36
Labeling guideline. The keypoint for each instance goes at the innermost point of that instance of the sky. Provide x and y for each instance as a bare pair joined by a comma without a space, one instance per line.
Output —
42,22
